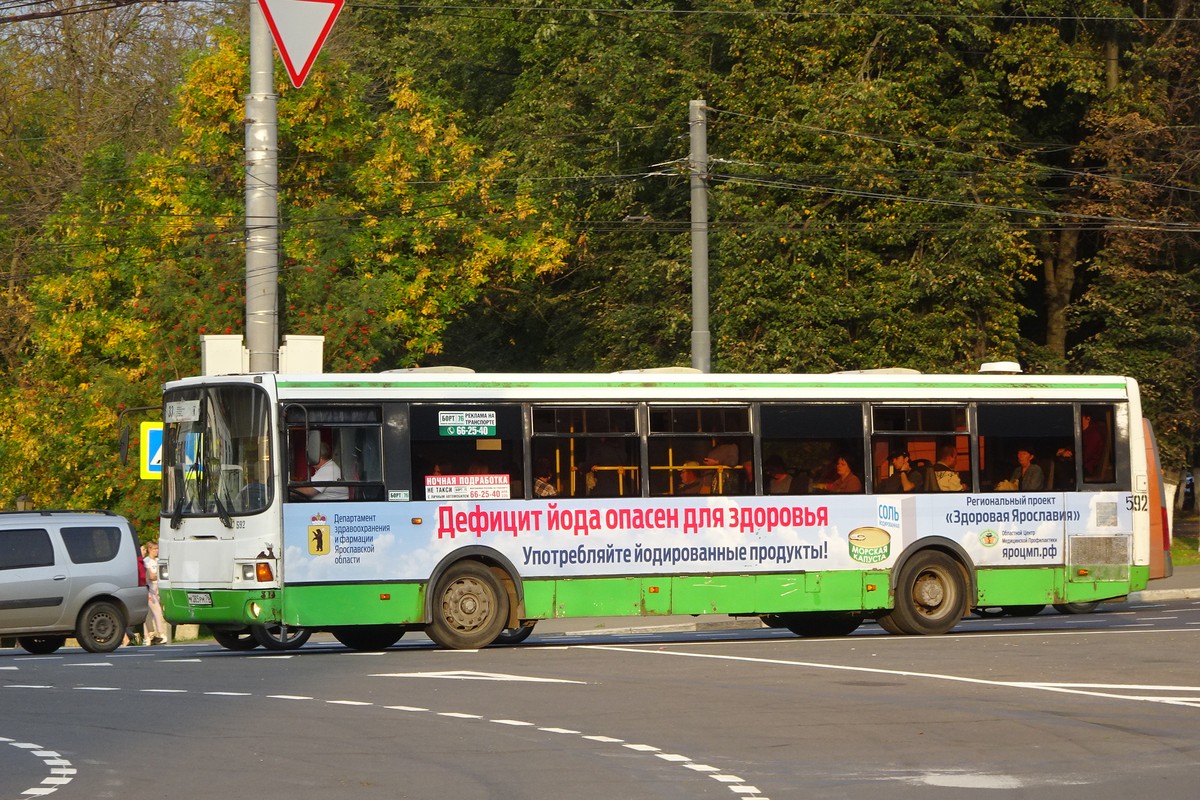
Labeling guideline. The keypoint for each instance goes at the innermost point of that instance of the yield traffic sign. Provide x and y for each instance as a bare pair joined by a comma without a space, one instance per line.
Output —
299,28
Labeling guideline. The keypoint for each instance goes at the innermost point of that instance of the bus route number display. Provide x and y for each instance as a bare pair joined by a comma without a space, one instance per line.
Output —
467,423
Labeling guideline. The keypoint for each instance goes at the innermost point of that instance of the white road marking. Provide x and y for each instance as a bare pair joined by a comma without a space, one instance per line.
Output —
61,772
1063,688
468,675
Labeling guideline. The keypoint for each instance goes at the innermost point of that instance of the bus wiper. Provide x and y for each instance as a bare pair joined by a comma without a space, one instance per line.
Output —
177,513
222,512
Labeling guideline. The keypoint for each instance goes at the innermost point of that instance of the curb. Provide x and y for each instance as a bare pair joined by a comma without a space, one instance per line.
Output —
1150,595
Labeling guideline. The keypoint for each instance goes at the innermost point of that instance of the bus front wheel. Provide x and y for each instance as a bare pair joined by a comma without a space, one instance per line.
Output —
239,640
470,607
931,592
276,637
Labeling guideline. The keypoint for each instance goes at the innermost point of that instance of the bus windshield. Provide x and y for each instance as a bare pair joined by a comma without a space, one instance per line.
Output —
216,452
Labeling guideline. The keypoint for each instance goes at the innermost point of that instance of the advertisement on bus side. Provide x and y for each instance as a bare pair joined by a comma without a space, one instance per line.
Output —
344,542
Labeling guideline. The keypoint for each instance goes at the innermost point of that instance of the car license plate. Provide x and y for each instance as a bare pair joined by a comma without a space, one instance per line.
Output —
199,599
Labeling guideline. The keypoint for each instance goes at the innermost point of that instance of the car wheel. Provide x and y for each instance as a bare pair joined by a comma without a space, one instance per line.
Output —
101,628
41,645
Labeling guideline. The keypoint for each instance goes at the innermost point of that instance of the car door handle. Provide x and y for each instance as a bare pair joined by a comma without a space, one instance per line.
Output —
60,577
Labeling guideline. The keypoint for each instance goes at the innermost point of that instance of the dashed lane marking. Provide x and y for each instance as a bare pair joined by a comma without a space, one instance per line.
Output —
735,784
61,772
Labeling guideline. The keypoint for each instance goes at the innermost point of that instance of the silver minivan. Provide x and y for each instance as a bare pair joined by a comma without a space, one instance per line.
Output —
69,574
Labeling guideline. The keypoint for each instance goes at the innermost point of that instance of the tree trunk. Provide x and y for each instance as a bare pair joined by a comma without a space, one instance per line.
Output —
1059,273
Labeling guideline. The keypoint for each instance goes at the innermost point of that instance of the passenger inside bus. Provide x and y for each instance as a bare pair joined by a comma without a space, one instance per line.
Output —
605,468
943,475
1029,475
324,471
690,480
904,477
777,478
545,483
846,482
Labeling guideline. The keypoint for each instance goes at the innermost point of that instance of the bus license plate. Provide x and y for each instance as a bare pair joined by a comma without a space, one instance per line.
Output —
199,599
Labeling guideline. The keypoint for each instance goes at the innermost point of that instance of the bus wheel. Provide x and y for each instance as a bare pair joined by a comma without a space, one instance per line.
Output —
822,623
514,635
101,628
276,637
41,645
470,608
930,595
235,640
1077,608
368,638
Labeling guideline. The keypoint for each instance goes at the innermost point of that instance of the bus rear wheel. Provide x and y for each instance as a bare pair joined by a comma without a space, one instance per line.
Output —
368,638
470,607
931,593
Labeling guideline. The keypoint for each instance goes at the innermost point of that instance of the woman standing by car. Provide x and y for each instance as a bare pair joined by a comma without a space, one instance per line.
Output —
157,631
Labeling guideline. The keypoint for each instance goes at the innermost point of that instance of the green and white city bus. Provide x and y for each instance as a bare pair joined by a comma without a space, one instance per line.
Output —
470,506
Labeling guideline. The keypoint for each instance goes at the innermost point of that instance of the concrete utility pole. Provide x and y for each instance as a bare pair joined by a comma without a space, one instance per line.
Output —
262,200
698,165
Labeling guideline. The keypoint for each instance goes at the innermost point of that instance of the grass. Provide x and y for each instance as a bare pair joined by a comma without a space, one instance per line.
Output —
1185,548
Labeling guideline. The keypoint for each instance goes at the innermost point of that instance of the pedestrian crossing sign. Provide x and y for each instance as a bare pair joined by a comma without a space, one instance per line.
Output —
151,450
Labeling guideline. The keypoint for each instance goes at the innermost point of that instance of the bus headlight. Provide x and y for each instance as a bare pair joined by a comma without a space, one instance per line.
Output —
164,570
255,610
247,572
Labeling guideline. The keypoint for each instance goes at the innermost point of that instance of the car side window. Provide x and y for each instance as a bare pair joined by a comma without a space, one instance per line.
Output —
26,547
92,544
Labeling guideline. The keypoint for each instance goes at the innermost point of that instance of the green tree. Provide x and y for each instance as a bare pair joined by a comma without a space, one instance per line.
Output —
392,224
871,213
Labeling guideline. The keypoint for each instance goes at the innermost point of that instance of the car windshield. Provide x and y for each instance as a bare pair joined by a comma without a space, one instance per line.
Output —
216,452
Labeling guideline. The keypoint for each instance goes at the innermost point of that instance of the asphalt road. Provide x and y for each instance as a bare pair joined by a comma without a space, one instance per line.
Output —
1105,705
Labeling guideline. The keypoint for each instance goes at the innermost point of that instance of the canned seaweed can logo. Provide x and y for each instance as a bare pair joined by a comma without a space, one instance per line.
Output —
870,545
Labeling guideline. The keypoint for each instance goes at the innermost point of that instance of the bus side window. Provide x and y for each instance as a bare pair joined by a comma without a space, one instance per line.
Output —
1010,430
925,443
802,445
591,451
463,451
699,450
335,452
1096,443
